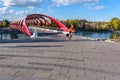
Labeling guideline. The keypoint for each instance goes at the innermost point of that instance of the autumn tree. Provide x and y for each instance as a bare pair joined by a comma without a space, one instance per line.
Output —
115,23
4,23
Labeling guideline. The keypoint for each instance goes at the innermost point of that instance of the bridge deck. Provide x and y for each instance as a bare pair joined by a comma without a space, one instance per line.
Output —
56,58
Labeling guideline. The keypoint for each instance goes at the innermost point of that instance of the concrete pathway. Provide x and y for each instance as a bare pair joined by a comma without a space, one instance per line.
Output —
56,58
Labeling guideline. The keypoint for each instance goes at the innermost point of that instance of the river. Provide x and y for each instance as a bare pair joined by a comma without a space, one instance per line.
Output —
92,34
11,36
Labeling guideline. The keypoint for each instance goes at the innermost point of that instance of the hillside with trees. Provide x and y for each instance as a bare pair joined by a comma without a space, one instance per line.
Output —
112,25
4,23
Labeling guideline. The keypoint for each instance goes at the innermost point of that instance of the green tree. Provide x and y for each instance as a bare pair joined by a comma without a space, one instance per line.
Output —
115,23
68,23
4,23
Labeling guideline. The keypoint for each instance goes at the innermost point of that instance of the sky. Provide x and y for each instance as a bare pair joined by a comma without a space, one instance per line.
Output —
91,10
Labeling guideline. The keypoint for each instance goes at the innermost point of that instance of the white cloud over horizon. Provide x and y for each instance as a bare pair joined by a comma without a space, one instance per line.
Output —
17,3
90,4
24,7
28,4
68,2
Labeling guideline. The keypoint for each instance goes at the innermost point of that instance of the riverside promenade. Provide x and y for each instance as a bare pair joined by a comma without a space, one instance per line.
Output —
56,58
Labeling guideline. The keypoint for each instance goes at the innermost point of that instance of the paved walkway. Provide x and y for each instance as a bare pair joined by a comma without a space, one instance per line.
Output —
56,58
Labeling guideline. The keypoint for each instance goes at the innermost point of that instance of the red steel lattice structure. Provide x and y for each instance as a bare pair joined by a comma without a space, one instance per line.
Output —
35,19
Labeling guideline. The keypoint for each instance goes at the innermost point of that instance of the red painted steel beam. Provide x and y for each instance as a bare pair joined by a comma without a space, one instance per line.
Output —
21,25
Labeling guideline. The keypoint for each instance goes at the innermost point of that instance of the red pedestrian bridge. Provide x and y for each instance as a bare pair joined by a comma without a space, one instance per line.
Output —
37,20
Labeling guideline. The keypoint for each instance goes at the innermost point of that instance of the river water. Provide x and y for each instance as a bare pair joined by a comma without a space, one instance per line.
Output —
90,34
10,36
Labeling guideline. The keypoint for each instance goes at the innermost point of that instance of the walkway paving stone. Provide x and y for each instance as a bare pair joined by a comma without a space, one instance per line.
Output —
57,58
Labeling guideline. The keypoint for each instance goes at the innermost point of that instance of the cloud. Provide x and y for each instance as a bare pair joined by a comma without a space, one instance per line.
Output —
3,10
68,2
12,11
6,4
20,3
20,12
89,4
99,7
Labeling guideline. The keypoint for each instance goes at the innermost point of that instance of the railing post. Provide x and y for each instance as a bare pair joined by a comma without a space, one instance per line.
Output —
1,36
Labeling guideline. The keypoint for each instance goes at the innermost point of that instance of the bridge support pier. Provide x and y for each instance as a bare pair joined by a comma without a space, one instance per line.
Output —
35,33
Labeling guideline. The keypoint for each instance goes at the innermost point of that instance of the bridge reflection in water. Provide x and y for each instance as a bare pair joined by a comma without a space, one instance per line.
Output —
6,34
